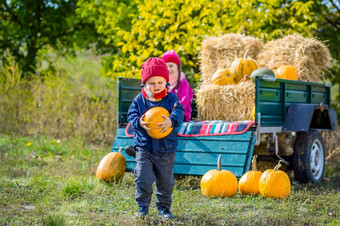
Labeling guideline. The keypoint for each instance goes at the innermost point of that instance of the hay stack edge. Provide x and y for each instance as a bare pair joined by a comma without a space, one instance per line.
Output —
234,102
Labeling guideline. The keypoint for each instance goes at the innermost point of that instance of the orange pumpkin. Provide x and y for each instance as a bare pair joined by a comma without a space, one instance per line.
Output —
249,182
222,77
242,66
112,167
154,116
274,183
219,183
287,72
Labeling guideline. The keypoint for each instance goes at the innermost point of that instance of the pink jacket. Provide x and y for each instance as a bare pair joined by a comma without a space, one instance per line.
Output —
185,95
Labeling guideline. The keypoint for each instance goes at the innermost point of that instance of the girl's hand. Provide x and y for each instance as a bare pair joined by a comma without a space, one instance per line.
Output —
164,125
144,124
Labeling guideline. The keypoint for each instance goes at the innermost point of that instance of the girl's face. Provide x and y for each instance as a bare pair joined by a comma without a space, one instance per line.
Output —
173,69
155,84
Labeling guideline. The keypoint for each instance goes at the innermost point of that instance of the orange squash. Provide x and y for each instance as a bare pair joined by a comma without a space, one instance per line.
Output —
275,183
154,116
112,167
249,182
242,66
287,72
219,183
222,77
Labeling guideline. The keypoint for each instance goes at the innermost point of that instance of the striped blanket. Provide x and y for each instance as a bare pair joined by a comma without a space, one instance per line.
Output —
207,128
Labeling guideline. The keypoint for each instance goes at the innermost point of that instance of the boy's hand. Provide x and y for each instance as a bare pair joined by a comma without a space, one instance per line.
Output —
144,124
164,125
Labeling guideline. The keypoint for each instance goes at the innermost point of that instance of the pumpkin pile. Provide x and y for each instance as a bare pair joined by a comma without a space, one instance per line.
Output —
228,61
272,183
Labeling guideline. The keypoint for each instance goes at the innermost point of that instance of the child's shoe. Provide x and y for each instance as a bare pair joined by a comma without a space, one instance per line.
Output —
130,150
143,211
165,213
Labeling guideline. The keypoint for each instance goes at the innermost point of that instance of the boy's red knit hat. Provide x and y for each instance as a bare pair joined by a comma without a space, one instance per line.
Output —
154,67
171,56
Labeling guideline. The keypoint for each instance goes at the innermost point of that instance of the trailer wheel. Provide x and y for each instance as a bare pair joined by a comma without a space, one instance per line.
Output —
309,157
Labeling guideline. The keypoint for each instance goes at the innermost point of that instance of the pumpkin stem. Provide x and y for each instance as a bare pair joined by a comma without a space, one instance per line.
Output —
219,163
277,167
246,54
253,163
120,150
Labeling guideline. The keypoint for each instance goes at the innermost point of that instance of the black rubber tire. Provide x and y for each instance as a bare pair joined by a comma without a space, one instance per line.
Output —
309,157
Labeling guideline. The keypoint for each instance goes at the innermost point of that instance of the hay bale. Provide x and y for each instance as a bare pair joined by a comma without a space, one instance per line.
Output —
230,102
220,52
310,56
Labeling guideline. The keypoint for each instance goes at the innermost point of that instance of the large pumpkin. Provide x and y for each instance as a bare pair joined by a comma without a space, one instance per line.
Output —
219,183
274,183
249,182
112,167
222,77
154,116
287,72
242,66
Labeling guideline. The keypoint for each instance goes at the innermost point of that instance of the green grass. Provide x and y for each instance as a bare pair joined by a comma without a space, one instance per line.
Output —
52,182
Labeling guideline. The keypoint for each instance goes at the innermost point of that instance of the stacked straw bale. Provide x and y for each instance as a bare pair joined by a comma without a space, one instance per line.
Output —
310,56
220,52
229,102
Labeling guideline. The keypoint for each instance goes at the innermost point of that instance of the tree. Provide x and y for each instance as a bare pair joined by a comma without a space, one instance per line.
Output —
27,26
161,25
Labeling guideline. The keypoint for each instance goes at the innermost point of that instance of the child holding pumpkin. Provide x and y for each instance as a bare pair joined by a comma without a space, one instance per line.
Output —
155,157
179,85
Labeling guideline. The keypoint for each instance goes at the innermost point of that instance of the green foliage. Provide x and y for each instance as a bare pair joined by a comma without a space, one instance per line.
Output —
69,99
28,26
181,25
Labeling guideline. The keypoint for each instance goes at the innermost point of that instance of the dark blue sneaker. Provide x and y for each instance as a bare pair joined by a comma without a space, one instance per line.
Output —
130,150
165,213
143,211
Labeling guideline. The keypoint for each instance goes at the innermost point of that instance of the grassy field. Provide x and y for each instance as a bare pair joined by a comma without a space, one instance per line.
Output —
45,181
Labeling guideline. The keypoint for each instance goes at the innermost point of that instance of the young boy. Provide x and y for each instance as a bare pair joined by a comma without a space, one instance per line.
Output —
155,157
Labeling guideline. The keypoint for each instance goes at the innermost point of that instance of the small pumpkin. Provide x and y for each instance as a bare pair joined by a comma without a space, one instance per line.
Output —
262,72
154,116
249,182
275,183
112,167
287,72
242,66
219,183
222,77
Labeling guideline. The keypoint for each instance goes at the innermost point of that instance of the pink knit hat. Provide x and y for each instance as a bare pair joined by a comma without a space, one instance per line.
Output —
171,56
154,66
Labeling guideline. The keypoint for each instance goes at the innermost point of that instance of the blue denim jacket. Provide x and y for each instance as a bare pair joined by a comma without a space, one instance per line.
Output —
141,138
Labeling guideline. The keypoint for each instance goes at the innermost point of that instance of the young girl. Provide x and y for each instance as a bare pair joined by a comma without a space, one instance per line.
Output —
155,157
179,85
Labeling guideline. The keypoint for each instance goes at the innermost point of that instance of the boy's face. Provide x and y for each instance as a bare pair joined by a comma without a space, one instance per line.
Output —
173,69
155,84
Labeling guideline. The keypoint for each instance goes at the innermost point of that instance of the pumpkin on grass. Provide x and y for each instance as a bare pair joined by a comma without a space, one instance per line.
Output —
222,77
154,116
112,167
274,183
249,182
219,183
242,66
287,72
